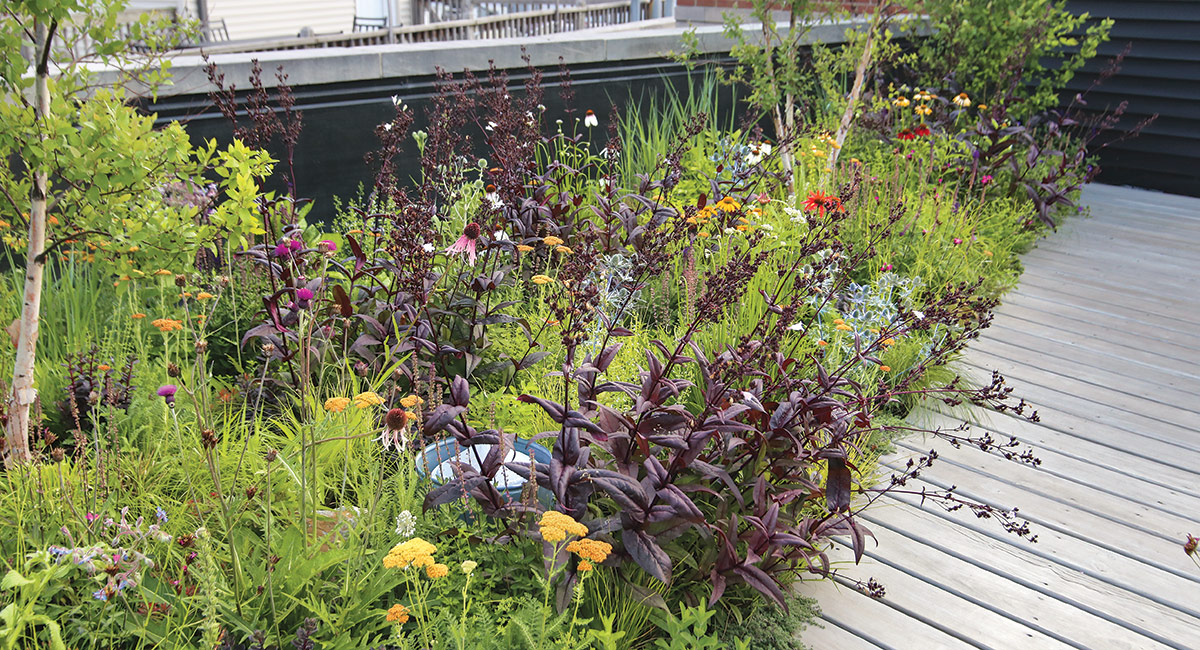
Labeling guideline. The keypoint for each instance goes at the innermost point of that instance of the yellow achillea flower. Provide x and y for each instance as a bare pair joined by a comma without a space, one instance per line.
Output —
364,400
821,343
844,328
889,341
590,549
562,249
398,614
409,553
138,316
411,401
555,526
468,566
337,404
436,571
703,235
838,321
524,248
163,272
552,241
541,279
167,324
204,295
585,566
885,368
104,367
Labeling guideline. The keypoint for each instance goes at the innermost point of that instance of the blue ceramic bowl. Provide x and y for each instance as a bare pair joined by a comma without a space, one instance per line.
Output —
435,463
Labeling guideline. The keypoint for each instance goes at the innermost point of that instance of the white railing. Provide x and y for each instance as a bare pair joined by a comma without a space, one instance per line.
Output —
538,22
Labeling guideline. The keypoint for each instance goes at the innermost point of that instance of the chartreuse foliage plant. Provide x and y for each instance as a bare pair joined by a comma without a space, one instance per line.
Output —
90,175
256,431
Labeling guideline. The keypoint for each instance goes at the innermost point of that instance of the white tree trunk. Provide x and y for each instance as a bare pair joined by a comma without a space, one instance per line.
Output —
16,450
860,75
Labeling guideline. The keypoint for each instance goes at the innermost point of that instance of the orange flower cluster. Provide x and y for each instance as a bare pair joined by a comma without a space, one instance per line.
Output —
592,550
167,324
416,552
555,526
398,614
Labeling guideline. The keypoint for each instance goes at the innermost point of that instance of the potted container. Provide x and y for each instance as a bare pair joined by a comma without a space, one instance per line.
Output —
436,464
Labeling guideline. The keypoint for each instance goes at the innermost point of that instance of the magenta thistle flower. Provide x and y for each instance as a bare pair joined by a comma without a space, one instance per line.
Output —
303,295
281,250
295,244
168,392
327,246
466,243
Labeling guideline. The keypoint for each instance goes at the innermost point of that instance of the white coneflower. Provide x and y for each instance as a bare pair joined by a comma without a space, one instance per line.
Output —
590,119
493,197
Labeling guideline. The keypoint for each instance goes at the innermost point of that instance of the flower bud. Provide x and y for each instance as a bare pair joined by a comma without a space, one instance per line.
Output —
172,370
201,346
181,281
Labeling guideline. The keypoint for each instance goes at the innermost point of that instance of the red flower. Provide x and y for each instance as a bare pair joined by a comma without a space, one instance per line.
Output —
819,202
921,131
905,134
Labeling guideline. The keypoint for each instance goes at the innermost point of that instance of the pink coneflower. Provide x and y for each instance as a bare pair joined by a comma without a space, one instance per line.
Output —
466,242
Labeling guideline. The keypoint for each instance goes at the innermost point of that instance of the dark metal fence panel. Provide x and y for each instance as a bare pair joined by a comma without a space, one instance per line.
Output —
1161,74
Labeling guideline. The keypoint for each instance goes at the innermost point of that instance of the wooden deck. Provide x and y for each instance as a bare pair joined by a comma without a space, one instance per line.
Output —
1101,336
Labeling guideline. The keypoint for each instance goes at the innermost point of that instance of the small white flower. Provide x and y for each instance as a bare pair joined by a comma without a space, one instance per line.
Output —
494,200
387,126
406,524
395,100
541,108
428,248
500,235
590,119
919,315
796,327
490,126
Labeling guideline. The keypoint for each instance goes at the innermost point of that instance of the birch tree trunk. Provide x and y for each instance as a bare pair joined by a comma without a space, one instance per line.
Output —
860,74
16,451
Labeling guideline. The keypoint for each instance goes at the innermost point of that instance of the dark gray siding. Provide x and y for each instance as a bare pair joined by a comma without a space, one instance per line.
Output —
1160,75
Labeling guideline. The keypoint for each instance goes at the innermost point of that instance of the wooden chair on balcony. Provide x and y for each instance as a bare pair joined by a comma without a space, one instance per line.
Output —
214,31
369,24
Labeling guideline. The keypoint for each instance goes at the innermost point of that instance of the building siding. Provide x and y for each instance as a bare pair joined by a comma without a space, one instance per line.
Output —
1160,75
255,19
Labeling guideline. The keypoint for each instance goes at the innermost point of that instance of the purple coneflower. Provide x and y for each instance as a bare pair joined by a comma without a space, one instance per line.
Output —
466,242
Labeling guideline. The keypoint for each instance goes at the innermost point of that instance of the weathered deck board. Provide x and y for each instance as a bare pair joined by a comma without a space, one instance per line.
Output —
1099,337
